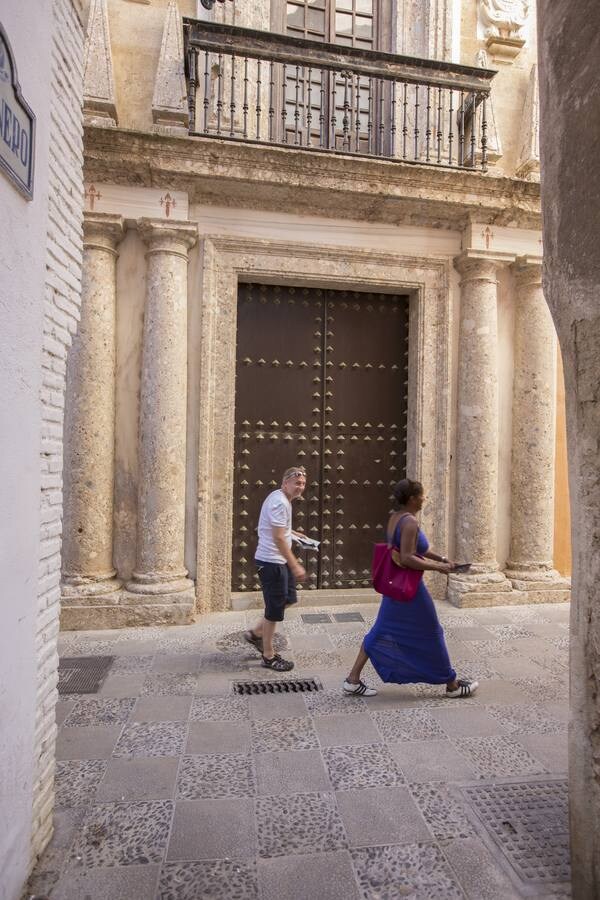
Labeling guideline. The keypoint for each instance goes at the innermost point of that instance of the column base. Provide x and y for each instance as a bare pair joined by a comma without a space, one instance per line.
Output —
482,589
80,587
125,609
540,585
159,585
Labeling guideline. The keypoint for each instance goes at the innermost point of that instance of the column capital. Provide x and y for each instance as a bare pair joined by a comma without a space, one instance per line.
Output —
102,230
168,235
527,270
481,265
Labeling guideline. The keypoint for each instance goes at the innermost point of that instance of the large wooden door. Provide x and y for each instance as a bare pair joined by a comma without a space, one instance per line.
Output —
321,381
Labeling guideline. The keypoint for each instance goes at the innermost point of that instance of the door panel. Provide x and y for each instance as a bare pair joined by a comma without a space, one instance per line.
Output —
321,382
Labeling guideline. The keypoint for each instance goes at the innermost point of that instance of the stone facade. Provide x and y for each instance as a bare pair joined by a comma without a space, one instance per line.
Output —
471,232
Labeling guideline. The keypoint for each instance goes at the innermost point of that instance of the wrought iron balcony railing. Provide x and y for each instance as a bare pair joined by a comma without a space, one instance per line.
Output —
263,88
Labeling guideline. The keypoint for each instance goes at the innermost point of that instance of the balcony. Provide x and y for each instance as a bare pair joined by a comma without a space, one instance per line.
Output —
268,89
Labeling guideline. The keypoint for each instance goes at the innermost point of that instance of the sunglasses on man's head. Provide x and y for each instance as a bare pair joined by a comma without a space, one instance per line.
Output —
297,474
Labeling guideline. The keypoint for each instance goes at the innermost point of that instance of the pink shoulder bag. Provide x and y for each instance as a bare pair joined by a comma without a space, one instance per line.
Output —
390,579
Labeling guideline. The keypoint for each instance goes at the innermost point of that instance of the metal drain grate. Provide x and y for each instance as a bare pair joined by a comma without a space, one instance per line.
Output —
529,822
348,617
295,686
82,674
315,618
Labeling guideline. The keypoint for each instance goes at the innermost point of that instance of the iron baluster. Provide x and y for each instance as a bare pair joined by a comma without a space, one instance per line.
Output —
309,109
333,119
404,119
322,111
451,127
258,98
428,126
207,91
393,129
283,105
296,107
484,139
245,107
219,93
346,118
357,123
232,98
381,123
271,93
192,66
461,130
473,128
370,118
440,133
416,121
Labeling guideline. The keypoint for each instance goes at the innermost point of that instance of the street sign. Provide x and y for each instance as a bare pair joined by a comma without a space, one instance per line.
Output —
17,124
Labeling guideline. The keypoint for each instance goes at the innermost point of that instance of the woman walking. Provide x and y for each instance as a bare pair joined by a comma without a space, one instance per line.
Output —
406,643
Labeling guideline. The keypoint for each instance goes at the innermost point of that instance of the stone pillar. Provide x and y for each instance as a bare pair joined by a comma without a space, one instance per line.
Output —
477,436
160,574
87,550
530,565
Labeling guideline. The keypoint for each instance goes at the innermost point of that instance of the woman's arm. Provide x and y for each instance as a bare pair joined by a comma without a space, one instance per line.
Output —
408,550
436,556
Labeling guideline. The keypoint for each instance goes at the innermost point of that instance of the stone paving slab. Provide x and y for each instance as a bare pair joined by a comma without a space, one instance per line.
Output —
170,787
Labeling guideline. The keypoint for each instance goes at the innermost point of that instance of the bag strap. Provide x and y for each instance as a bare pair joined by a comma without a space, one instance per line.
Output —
396,523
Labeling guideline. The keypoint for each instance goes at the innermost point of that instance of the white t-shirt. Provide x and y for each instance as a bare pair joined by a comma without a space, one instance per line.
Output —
275,511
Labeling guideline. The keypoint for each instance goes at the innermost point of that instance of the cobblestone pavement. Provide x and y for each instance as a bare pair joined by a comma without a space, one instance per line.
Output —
169,786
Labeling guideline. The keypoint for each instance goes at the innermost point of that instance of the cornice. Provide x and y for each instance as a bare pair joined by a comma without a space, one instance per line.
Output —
226,173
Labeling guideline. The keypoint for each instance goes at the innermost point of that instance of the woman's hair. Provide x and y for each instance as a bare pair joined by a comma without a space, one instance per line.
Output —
406,489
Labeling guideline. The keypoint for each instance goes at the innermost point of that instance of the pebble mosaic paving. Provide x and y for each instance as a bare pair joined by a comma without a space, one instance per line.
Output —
203,794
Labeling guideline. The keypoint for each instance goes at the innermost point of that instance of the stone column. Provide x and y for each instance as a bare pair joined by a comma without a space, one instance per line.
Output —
160,573
530,566
477,436
87,549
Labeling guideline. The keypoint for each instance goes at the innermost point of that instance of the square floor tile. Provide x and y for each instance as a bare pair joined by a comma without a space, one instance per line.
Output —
203,777
62,710
499,756
283,734
138,779
221,879
479,873
445,814
152,739
220,709
431,761
527,719
169,683
498,690
362,766
466,721
161,709
381,816
302,823
102,711
213,829
128,665
278,706
76,781
408,725
131,882
291,772
316,659
346,730
87,741
468,633
176,663
218,737
123,834
125,685
334,702
551,750
410,870
326,876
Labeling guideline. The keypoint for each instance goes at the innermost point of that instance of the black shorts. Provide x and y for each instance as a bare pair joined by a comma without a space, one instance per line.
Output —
278,587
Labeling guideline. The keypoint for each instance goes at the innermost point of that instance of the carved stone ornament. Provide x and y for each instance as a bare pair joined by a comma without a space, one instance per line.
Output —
494,144
503,24
98,81
528,164
169,103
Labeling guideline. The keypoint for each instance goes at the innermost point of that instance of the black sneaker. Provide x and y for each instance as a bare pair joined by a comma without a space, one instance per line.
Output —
277,663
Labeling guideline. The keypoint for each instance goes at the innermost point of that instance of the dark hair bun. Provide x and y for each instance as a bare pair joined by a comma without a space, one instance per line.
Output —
406,489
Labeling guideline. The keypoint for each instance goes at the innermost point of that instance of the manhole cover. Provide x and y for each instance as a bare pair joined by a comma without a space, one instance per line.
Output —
529,822
82,674
348,617
289,686
315,618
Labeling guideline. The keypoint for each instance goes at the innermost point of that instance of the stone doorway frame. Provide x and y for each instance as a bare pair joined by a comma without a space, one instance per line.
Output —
228,261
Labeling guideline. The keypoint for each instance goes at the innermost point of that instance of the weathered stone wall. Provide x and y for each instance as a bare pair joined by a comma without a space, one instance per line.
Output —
61,315
570,107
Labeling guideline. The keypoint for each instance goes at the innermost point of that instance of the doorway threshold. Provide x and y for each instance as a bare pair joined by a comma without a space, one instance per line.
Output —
241,600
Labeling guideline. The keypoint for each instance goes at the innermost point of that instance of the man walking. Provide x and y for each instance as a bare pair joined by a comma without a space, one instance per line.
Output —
278,568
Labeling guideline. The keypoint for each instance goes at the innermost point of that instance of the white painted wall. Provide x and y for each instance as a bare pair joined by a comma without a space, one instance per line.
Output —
23,226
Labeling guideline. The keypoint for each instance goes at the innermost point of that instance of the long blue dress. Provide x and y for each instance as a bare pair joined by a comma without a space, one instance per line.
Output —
406,643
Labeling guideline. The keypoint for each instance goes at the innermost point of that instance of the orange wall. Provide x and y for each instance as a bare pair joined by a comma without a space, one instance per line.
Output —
562,516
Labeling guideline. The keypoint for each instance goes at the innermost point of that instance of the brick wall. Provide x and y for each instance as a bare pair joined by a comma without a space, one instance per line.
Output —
61,314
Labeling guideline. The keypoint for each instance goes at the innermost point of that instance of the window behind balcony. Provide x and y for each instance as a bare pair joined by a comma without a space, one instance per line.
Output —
350,23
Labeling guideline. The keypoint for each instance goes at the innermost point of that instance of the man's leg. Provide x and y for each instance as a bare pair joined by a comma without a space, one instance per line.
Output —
268,633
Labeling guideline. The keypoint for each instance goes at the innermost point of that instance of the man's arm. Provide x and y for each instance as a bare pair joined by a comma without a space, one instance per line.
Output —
281,544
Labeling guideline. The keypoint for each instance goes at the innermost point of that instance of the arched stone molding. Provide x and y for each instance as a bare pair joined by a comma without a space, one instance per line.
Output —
228,261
